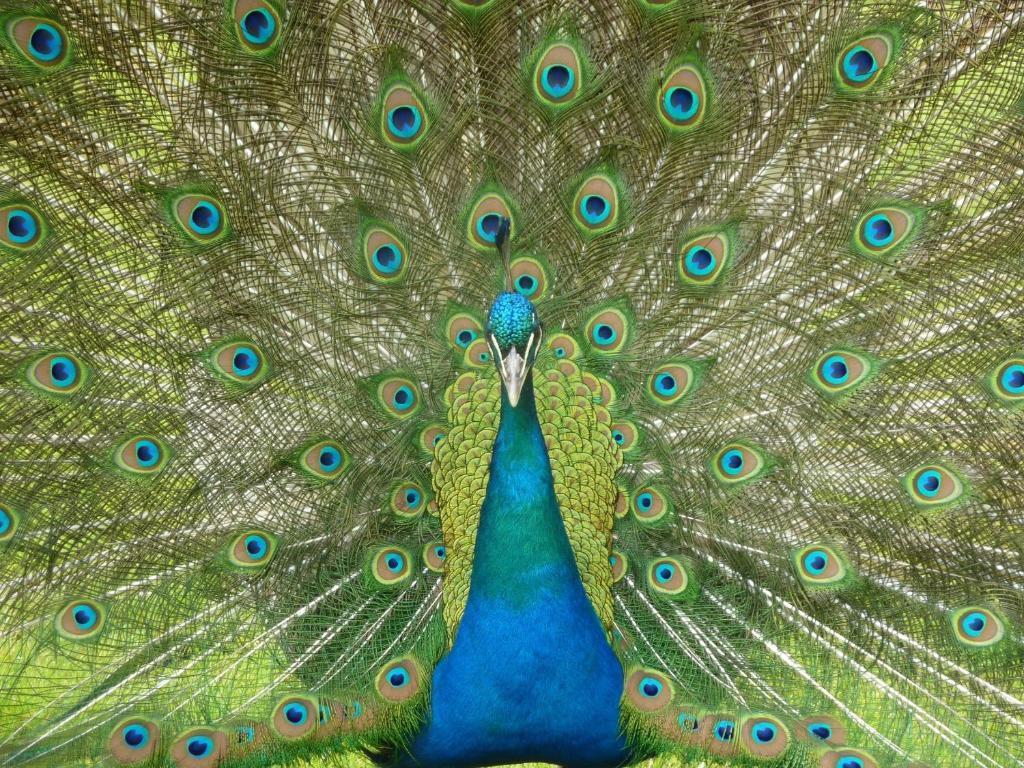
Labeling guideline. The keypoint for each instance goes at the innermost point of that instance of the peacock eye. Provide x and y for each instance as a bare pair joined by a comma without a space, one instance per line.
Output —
239,363
386,255
144,455
398,680
22,227
557,75
80,619
9,520
977,627
738,463
403,120
200,217
648,689
529,277
668,577
324,460
670,382
595,207
133,741
1007,382
650,505
294,717
257,24
819,565
839,372
608,331
399,397
933,485
434,555
682,99
486,220
882,232
42,41
58,373
390,565
703,259
563,346
408,500
252,549
431,436
619,563
462,330
625,434
861,63
848,758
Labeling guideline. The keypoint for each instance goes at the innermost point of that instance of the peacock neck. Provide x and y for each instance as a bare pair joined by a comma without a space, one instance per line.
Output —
522,549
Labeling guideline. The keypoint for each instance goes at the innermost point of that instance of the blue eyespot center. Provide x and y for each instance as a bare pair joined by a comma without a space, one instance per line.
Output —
1012,379
413,497
488,226
816,561
681,103
605,334
688,722
200,746
850,762
403,398
45,42
330,458
665,384
258,26
5,521
725,730
395,562
205,218
645,500
465,337
146,453
879,231
732,462
135,736
256,546
618,437
859,64
558,80
405,121
21,226
398,677
665,573
650,687
700,261
245,361
560,352
821,731
440,552
526,285
84,616
974,623
63,372
835,370
296,713
595,209
928,483
764,733
387,259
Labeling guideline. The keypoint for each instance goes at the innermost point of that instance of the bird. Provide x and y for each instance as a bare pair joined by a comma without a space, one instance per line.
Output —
455,383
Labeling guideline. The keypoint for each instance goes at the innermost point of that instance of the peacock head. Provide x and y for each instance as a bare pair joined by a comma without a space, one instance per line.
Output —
514,335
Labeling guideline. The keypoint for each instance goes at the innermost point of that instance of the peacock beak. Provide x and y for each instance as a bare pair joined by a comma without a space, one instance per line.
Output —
514,367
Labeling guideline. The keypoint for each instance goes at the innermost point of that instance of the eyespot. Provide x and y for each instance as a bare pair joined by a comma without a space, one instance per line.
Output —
41,41
650,505
58,373
199,748
400,397
22,227
703,259
667,577
431,436
485,220
403,120
1007,381
977,627
529,277
133,741
840,371
563,346
822,728
80,619
462,330
596,205
434,555
861,63
819,565
386,255
478,355
556,78
737,463
608,331
882,231
398,680
143,455
847,758
201,217
764,736
687,721
649,690
391,565
296,716
9,520
257,25
682,99
625,435
670,382
722,729
933,485
408,500
619,563
252,549
240,363
324,460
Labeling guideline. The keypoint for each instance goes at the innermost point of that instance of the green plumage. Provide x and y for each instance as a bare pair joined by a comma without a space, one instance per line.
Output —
247,396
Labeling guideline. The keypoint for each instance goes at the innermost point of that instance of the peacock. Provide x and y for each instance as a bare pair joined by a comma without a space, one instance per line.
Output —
453,383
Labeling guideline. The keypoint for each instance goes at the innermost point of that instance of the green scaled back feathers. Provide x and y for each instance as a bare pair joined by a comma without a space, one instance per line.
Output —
247,403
